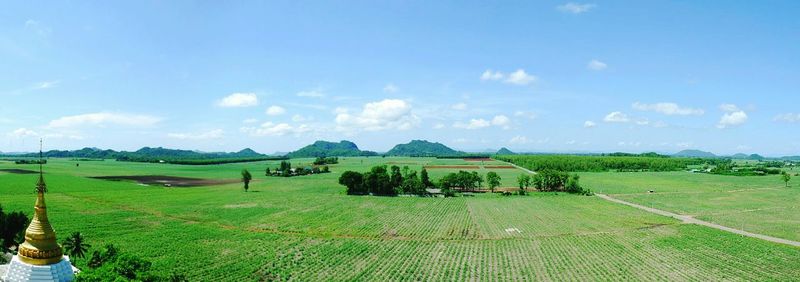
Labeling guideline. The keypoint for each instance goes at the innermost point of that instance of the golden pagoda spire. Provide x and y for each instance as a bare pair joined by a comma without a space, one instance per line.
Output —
40,246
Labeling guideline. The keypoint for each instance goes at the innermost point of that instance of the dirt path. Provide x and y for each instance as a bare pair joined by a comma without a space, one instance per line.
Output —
692,220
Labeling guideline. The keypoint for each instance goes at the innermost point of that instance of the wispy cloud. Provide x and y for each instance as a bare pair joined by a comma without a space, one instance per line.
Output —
239,100
789,117
316,93
596,65
518,77
104,119
616,117
575,8
668,109
391,88
275,110
213,134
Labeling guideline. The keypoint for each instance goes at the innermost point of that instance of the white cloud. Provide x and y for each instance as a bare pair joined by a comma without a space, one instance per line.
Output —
22,132
460,140
589,124
311,93
380,115
729,108
459,106
250,120
502,121
390,88
790,117
103,119
478,123
520,77
668,109
213,134
275,129
300,118
38,28
519,140
473,124
629,144
683,144
46,84
733,116
575,8
596,65
732,119
492,75
571,142
616,117
529,115
239,100
275,110
438,126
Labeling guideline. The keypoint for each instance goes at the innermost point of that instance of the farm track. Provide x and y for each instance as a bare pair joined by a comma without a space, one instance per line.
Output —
692,220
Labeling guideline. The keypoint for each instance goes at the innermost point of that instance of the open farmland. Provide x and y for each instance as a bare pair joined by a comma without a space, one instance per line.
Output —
759,204
306,228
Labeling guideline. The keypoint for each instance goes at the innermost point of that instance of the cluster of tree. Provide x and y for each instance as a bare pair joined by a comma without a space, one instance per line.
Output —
552,180
213,161
461,181
382,182
285,170
647,155
601,163
158,155
30,161
326,160
12,230
109,264
728,167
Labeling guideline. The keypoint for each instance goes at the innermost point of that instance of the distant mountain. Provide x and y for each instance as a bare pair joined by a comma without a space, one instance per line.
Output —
419,148
505,151
330,149
144,153
791,158
755,157
694,154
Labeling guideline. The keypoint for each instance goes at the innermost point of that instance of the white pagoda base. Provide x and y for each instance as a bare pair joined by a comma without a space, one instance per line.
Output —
18,271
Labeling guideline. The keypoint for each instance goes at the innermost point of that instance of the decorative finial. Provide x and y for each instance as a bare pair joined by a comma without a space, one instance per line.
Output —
41,187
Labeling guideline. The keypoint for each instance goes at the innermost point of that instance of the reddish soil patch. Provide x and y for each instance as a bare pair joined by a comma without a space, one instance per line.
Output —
18,171
452,167
478,159
500,166
164,180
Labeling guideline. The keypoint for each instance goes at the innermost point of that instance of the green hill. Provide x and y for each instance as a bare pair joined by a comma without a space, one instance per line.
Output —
330,149
505,151
422,148
694,154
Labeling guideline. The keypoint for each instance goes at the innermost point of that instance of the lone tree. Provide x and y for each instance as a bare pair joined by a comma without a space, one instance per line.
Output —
493,180
524,181
246,177
74,245
786,177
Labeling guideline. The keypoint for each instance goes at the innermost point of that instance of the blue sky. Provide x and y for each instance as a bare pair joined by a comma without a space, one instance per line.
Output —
553,76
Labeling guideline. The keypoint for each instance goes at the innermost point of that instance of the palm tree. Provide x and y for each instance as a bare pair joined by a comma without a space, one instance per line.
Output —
246,177
75,245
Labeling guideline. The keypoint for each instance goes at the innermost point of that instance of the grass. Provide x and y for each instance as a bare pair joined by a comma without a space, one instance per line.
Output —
760,204
306,228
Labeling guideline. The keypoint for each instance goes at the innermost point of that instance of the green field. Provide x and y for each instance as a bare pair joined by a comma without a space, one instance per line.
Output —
760,204
307,229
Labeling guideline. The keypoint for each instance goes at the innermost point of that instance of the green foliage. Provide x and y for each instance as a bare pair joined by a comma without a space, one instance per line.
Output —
109,265
786,177
246,177
75,246
378,181
524,181
728,167
462,181
600,163
493,180
426,180
326,160
12,228
354,181
30,161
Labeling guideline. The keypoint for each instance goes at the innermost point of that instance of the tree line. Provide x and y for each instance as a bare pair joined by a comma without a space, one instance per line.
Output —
386,182
602,163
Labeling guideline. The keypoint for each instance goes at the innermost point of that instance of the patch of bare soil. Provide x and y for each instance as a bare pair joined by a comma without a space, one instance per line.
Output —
452,166
170,181
18,171
499,167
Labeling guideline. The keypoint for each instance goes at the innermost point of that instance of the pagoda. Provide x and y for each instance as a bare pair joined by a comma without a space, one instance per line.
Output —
40,257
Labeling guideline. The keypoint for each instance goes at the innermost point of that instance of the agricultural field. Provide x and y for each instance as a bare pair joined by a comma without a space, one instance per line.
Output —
759,204
306,229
